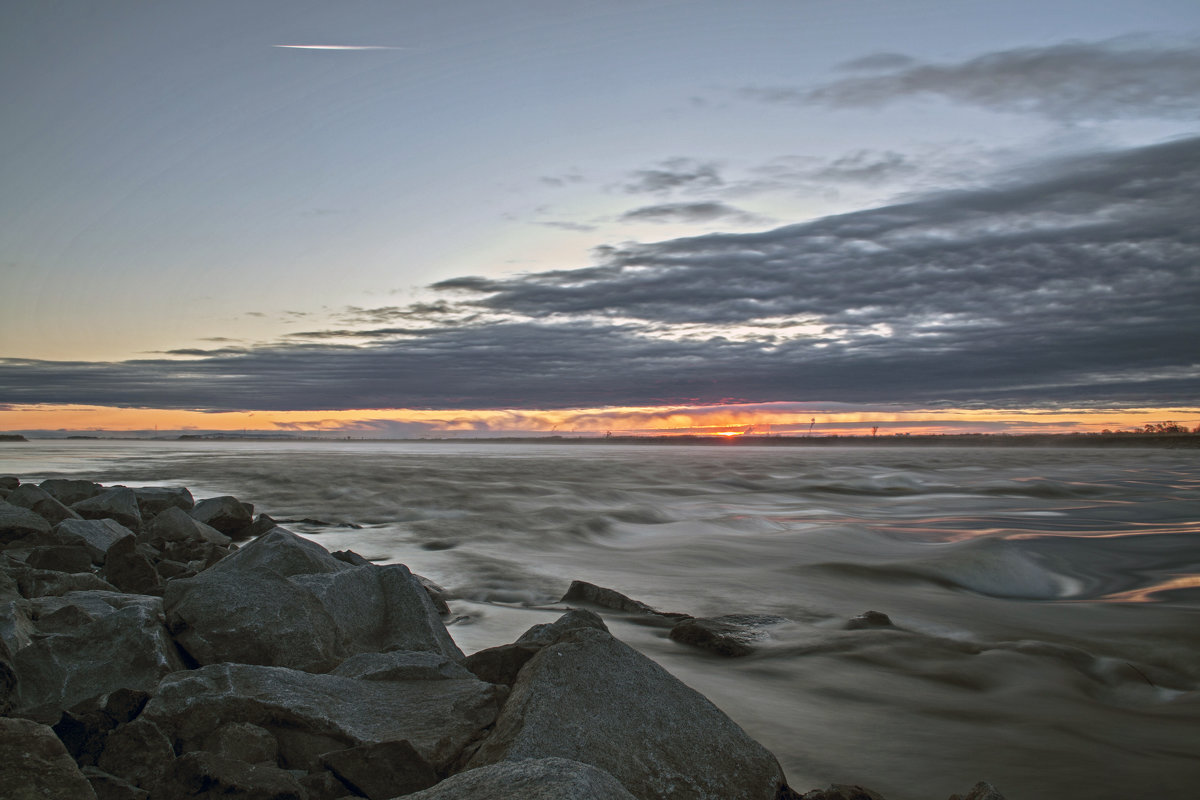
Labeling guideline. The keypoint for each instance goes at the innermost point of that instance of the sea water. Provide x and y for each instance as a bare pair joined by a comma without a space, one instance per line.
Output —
1046,602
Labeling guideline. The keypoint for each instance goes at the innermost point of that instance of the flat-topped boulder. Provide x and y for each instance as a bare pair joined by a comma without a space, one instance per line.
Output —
285,601
40,502
591,698
227,514
119,504
312,715
70,491
97,535
153,500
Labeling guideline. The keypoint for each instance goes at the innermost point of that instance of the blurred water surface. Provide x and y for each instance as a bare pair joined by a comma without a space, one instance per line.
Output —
1046,602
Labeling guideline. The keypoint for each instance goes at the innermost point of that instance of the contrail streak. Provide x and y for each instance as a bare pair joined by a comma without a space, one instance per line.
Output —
336,47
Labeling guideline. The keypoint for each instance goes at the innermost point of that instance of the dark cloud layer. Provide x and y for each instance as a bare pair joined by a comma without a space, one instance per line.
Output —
688,212
1070,81
1077,287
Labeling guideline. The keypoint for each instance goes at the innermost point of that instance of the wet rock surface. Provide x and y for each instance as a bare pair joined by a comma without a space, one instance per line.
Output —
144,656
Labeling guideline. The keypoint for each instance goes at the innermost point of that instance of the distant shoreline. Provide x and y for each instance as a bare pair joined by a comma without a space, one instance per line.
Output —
1055,440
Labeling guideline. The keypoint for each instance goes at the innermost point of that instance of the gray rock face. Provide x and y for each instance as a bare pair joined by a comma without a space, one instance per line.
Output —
311,715
97,535
173,524
92,643
383,770
529,779
119,504
34,765
61,558
227,514
401,665
39,502
584,592
130,570
9,482
502,664
70,491
841,791
731,635
17,522
153,500
284,601
208,776
591,698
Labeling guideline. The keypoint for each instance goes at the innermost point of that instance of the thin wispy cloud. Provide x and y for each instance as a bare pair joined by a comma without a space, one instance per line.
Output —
337,47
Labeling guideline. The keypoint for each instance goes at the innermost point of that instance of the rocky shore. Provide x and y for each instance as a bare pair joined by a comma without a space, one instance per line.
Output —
154,647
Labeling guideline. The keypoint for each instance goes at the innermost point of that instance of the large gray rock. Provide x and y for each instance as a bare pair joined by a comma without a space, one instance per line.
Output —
312,715
153,500
98,535
70,491
92,643
17,522
39,502
591,698
227,514
34,765
590,593
130,569
731,635
118,504
173,524
529,779
208,776
285,601
401,665
381,771
502,664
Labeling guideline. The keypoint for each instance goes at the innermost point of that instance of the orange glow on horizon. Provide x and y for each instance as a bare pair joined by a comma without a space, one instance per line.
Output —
728,420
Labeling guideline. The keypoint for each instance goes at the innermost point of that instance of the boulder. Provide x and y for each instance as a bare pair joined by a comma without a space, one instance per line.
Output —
84,727
731,635
841,791
590,593
262,523
130,569
44,582
176,525
61,558
41,503
381,770
100,642
208,775
528,779
119,504
227,514
9,482
69,491
139,753
98,535
311,715
285,601
591,698
110,787
153,500
401,665
17,522
501,664
242,740
34,765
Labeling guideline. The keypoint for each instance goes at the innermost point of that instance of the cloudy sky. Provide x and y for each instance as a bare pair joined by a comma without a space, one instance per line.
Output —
397,218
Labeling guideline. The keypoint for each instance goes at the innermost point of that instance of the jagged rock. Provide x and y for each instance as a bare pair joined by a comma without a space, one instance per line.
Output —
436,593
60,558
118,504
41,503
34,765
869,619
350,557
242,740
84,727
310,715
17,522
285,601
981,791
324,785
174,524
48,583
118,643
591,698
69,491
227,514
501,664
262,523
9,482
381,770
139,753
208,775
98,535
153,500
131,570
732,635
841,791
401,665
529,779
110,787
584,592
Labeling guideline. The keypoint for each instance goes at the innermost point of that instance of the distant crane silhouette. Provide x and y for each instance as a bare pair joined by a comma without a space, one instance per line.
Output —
810,425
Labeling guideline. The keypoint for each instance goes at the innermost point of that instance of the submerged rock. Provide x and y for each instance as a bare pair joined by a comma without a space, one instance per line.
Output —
584,592
869,619
732,635
591,698
981,791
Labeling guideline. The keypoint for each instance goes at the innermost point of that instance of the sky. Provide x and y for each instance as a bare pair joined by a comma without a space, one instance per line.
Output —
402,219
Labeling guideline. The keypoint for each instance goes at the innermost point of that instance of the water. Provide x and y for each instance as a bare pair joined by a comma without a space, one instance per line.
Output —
1047,601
